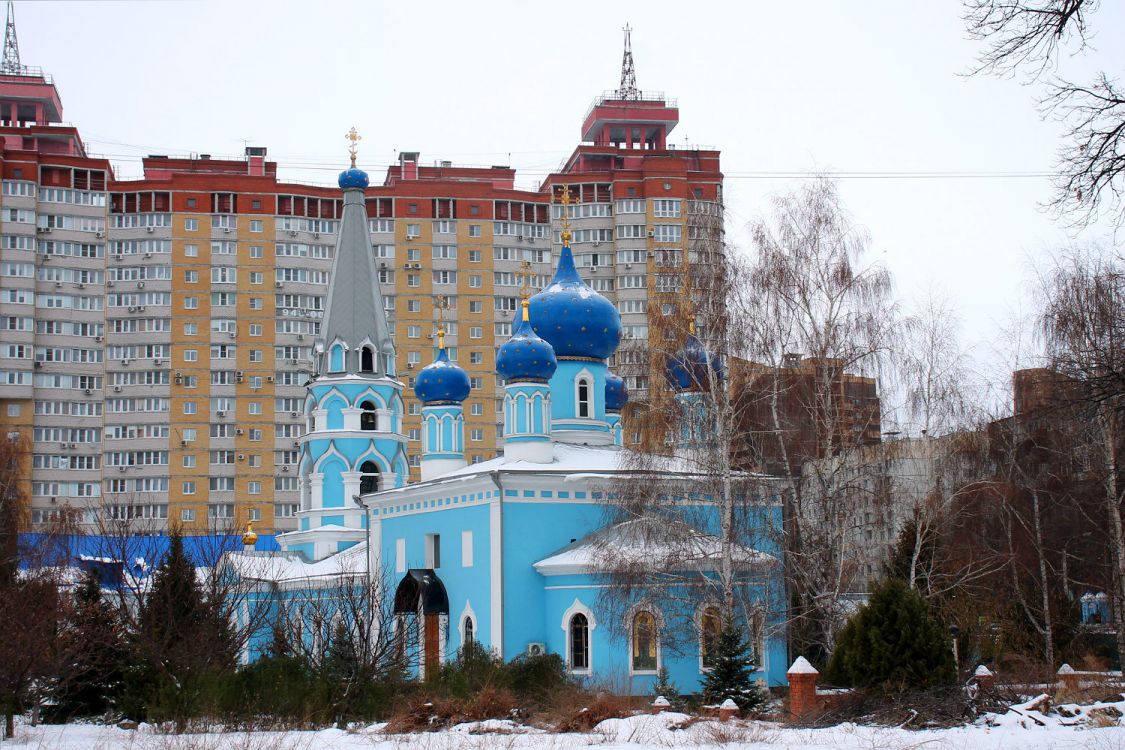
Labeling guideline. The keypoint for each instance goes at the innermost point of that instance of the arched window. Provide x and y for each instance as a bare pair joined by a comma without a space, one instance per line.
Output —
579,642
368,477
367,419
467,633
644,642
367,359
583,397
710,626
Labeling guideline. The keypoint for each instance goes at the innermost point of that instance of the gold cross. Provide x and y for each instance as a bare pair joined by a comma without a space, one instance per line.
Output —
565,200
353,149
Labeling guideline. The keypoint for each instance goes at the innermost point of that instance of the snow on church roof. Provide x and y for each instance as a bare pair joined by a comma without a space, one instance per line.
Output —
659,541
281,567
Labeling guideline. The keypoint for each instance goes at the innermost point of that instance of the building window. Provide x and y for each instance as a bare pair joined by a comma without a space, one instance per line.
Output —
474,230
644,642
191,225
368,478
255,225
467,632
187,515
583,397
367,359
367,419
579,633
710,627
433,551
187,488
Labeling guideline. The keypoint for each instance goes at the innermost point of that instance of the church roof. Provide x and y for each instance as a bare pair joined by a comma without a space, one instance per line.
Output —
289,567
661,541
354,309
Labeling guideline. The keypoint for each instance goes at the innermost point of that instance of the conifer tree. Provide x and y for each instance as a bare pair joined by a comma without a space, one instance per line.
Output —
182,640
664,687
892,643
92,648
732,674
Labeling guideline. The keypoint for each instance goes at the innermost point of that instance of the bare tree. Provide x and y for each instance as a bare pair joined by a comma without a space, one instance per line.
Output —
1027,37
811,293
1083,321
687,527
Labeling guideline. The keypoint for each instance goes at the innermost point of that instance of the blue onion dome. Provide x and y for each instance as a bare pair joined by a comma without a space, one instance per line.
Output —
525,356
442,381
615,392
353,179
691,368
576,320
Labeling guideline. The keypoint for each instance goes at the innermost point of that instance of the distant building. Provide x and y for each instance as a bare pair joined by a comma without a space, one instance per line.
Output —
157,333
821,410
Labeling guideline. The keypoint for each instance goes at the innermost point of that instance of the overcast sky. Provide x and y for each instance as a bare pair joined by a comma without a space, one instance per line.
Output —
778,87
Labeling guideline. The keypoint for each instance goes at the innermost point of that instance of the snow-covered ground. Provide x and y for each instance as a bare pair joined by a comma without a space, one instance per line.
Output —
669,730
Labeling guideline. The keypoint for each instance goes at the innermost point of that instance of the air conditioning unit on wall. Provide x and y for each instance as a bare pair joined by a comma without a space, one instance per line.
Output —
536,649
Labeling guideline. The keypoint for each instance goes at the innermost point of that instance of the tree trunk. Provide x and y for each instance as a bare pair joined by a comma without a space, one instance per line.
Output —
1113,510
1048,622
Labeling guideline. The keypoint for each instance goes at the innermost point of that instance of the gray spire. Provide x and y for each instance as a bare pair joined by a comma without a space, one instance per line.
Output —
11,60
354,312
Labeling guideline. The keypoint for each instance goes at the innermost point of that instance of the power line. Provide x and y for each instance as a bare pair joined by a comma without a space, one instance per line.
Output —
727,175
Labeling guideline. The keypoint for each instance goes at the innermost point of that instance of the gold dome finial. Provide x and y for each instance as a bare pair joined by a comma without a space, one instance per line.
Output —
525,303
565,235
441,338
353,148
249,538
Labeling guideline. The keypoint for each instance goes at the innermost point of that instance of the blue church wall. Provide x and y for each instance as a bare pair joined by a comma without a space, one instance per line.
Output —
333,469
470,585
335,406
563,390
543,529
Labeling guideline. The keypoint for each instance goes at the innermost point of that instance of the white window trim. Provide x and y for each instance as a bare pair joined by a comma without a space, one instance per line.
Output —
658,623
578,608
585,374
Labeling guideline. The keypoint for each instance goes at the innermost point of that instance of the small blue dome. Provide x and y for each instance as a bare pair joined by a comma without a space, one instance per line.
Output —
690,369
525,356
353,179
615,392
576,320
442,381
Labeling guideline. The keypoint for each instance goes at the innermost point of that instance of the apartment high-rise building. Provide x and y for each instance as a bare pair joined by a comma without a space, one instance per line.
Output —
156,334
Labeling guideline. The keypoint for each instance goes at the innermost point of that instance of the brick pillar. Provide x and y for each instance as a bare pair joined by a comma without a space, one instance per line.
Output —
660,704
984,678
728,710
1068,678
802,689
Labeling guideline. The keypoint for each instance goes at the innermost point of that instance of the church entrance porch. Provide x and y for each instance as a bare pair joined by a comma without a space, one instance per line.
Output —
421,595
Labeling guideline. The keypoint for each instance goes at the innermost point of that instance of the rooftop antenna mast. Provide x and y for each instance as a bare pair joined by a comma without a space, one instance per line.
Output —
628,87
11,62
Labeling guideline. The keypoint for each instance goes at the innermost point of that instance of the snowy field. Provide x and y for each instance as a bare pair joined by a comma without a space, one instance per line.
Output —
669,730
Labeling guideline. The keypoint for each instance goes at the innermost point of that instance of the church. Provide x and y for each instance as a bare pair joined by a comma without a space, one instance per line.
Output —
510,552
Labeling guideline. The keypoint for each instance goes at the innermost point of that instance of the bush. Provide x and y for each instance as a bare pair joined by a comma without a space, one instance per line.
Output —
892,643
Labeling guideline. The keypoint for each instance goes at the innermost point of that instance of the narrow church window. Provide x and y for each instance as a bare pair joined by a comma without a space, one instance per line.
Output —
367,359
467,636
368,477
367,420
710,626
579,642
644,642
583,398
433,551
